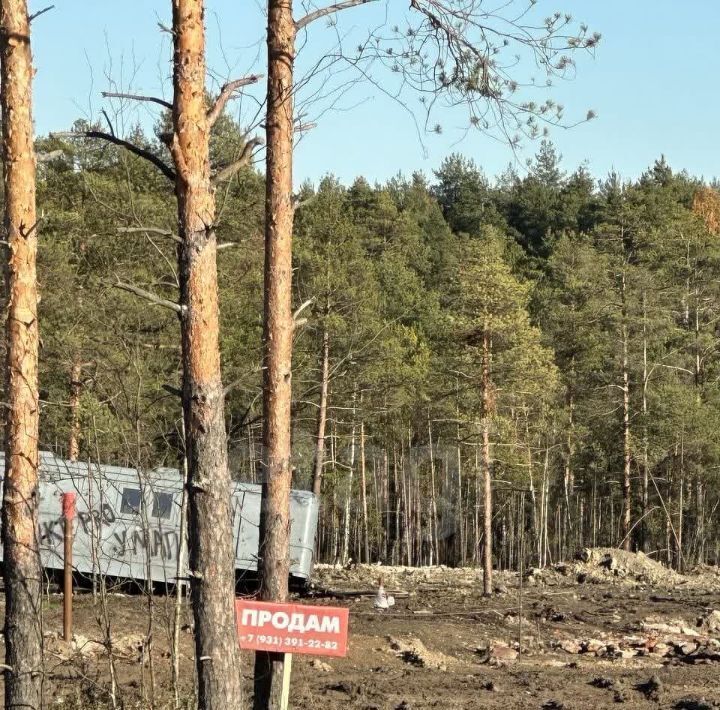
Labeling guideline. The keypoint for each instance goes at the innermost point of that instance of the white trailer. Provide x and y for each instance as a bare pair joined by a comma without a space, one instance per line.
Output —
128,522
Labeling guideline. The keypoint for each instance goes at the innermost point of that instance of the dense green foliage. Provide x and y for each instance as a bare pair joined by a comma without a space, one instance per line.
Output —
581,285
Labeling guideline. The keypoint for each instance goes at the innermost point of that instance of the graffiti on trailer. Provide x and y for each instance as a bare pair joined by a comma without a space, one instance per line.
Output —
51,531
127,539
160,543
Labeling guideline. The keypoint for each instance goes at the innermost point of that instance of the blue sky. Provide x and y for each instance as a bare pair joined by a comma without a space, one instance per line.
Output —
652,83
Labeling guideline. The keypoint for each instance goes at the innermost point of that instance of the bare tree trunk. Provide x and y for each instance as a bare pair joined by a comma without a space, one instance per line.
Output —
23,629
348,497
386,500
487,558
322,417
645,463
211,554
75,384
533,498
627,497
396,498
569,476
459,534
405,500
546,497
274,565
681,505
434,548
363,483
177,608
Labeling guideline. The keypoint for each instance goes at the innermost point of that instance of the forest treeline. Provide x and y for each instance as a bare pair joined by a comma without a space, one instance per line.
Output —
546,334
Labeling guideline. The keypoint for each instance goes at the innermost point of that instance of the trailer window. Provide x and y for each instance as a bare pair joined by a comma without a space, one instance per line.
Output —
131,499
162,505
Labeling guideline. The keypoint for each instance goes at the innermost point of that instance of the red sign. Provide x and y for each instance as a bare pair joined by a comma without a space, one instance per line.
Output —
292,628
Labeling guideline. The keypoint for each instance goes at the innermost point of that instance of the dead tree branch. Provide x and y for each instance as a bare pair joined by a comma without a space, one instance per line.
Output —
165,169
173,145
137,97
226,93
149,296
230,170
37,14
329,10
150,230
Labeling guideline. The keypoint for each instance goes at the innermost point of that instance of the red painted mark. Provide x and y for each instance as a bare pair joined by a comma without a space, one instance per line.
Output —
68,505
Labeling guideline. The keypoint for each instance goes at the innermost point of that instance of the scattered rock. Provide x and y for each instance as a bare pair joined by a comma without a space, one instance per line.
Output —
514,620
414,652
570,646
129,645
594,646
321,666
651,688
497,653
687,647
601,682
662,627
661,649
710,622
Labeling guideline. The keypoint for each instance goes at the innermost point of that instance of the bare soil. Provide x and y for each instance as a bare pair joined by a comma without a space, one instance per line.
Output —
614,630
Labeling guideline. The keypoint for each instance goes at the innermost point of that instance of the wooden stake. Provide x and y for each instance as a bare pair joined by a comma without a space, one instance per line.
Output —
68,508
287,670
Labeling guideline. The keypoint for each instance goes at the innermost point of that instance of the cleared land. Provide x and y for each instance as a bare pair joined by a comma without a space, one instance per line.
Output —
614,629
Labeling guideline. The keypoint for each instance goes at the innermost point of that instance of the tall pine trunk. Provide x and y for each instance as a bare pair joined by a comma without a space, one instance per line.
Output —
75,385
211,555
344,555
319,461
645,457
23,631
277,335
627,497
363,492
486,406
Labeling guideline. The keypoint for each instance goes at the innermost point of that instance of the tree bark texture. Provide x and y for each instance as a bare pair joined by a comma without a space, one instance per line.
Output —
486,399
274,563
627,453
211,554
23,631
322,417
75,386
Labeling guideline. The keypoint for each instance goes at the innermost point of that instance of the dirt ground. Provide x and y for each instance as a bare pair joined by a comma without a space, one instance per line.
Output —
613,630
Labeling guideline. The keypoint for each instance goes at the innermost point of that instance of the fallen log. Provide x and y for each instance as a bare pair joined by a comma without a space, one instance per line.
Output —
354,593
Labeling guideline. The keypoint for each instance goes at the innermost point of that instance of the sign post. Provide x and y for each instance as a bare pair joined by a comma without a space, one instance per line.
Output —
292,628
68,509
